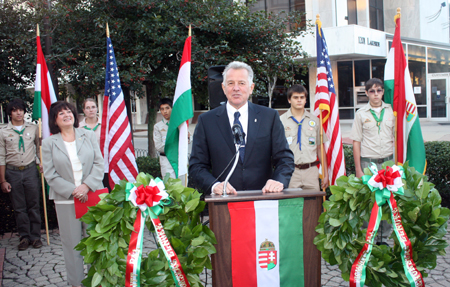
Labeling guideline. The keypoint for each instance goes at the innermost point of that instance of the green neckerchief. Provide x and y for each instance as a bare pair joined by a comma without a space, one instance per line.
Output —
21,143
88,128
378,120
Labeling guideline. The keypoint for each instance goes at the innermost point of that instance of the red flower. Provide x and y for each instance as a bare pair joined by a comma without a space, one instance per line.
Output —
147,195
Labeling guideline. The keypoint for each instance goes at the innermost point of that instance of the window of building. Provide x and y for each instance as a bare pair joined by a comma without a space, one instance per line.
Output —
417,70
277,6
376,14
345,89
378,68
438,61
352,17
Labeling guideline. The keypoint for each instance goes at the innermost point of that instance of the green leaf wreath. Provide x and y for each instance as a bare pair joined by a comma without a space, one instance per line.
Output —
341,236
110,224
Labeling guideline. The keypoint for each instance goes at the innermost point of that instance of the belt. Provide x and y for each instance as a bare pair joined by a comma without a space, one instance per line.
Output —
377,160
162,154
307,165
12,167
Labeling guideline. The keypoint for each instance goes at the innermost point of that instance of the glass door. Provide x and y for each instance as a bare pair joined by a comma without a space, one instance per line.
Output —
439,98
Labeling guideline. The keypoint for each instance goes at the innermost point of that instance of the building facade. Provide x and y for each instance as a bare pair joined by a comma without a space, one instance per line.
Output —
359,34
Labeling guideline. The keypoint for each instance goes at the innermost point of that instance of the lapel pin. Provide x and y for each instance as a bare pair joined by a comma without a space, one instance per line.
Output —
256,120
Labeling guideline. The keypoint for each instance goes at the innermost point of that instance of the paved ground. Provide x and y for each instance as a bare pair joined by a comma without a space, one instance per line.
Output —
45,266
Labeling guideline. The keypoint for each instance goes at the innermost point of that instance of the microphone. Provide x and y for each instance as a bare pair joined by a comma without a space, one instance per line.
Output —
238,134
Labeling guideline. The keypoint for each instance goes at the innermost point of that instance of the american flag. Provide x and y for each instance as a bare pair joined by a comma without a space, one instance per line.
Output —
325,102
115,139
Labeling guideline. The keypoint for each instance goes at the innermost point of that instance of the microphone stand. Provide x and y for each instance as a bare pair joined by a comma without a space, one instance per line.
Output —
224,193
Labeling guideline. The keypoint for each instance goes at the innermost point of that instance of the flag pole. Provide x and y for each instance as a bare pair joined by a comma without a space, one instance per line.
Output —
395,112
44,201
322,152
107,30
185,175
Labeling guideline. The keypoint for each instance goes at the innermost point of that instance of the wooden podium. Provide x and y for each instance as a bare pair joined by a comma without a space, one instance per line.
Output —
219,220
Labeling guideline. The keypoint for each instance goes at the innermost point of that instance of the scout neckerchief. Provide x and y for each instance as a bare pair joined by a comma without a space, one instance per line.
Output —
299,133
21,143
378,120
88,128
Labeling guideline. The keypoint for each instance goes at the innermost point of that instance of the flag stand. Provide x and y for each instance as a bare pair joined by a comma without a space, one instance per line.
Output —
44,201
322,154
43,183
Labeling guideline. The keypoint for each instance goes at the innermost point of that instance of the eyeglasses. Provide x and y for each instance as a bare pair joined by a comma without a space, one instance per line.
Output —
372,91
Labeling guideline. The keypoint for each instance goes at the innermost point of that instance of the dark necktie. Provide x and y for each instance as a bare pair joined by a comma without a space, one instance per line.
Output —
242,147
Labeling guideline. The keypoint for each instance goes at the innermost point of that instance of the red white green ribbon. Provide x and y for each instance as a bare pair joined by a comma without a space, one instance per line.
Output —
385,183
150,200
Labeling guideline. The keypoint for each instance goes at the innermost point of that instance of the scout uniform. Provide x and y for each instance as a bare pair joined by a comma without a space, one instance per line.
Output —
374,128
96,129
306,173
19,154
159,137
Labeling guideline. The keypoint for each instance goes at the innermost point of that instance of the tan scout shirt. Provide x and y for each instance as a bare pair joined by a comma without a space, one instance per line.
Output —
159,134
97,132
365,130
9,145
310,136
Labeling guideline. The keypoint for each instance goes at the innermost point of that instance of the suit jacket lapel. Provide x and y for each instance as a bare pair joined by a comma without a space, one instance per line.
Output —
223,124
59,142
252,129
79,138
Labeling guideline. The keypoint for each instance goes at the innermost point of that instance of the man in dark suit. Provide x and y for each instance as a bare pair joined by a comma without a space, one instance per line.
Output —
266,161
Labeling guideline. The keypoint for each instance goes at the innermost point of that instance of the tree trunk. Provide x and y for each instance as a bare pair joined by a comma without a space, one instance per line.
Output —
270,88
127,99
151,116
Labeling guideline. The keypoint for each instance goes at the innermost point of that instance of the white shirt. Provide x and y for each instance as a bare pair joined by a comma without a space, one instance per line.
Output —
76,167
243,118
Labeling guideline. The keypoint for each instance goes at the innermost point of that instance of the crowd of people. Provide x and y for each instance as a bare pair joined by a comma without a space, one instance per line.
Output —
276,153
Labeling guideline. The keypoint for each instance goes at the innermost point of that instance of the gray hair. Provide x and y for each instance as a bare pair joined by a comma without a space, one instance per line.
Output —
236,65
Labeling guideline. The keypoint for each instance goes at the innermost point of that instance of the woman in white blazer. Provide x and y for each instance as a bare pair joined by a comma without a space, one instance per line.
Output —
73,168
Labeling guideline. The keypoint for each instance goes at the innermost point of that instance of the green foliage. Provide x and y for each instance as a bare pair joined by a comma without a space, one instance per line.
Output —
150,165
110,224
341,236
438,168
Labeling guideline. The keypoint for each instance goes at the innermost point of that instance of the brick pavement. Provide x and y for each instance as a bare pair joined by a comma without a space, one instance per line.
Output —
45,266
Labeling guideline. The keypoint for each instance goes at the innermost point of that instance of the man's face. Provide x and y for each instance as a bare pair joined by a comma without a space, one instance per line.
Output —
297,101
237,87
17,115
166,111
375,94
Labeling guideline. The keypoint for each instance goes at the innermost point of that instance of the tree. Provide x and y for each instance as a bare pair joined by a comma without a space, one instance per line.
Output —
148,38
17,51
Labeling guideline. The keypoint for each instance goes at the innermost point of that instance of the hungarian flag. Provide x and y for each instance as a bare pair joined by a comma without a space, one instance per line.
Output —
176,148
399,93
267,242
44,94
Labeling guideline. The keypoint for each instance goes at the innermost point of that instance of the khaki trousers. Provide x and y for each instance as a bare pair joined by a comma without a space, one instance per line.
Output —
385,229
305,178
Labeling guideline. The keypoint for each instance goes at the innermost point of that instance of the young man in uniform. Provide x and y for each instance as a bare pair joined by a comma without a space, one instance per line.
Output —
373,135
159,137
19,155
302,131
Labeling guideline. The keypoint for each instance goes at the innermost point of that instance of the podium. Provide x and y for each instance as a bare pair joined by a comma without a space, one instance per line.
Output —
220,224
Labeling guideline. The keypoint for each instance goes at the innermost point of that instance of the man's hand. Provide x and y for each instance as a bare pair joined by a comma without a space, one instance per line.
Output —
6,187
325,182
80,192
359,172
273,186
218,189
41,169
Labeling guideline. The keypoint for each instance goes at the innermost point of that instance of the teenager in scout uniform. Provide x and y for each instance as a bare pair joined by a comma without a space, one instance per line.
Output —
373,136
302,131
91,121
19,155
